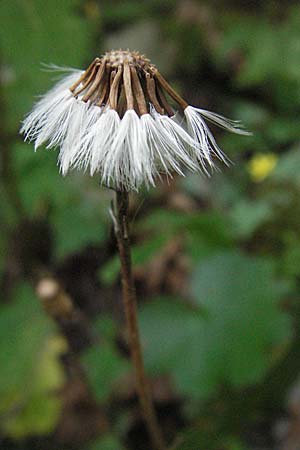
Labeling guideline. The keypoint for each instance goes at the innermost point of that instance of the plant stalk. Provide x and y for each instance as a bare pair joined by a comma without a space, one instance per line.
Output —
130,304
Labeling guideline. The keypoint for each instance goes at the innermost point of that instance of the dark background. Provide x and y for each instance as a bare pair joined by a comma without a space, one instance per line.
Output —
217,260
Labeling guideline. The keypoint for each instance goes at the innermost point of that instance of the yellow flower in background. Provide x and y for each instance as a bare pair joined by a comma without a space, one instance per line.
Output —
261,165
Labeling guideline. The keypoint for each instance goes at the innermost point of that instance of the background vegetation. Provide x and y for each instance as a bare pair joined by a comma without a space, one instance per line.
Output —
217,260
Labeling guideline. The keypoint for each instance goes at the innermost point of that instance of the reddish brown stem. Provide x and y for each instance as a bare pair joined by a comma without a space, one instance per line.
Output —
130,305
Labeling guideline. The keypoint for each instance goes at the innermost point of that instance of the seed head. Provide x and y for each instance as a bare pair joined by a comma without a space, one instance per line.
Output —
117,118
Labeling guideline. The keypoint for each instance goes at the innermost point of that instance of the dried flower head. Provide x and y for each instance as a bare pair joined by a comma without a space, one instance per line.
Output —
115,118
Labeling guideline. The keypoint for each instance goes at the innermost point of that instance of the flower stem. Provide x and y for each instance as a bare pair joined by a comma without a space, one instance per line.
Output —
130,305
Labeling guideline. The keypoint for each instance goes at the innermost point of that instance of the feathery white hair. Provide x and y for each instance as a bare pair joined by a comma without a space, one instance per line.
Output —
128,149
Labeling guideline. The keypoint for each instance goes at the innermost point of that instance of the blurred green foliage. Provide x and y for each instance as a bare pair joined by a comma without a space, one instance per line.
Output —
236,321
106,443
230,335
30,370
105,366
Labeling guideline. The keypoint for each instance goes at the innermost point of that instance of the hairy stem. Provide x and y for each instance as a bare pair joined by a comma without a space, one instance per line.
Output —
130,305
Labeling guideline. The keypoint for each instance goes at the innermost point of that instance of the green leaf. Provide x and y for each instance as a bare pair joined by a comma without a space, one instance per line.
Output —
233,333
109,271
107,442
20,343
167,326
41,411
261,63
3,250
9,216
104,367
197,438
283,130
82,222
103,363
165,220
206,234
77,205
208,439
291,254
248,215
41,185
241,295
203,234
43,33
30,369
286,170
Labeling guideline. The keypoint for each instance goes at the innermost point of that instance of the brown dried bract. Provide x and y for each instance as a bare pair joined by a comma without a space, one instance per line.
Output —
123,75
